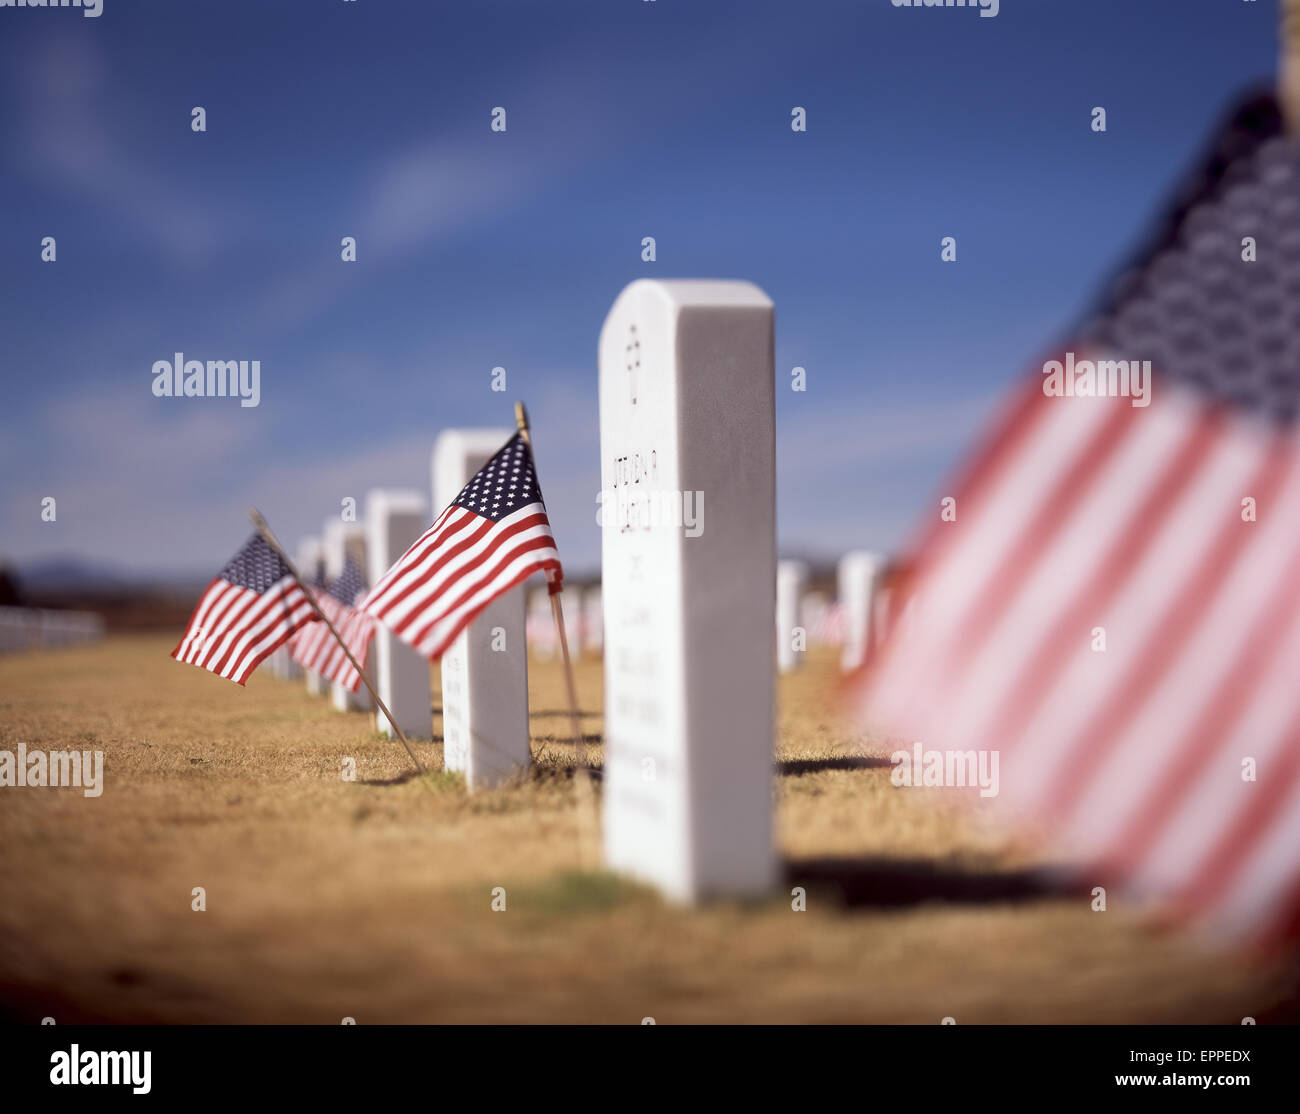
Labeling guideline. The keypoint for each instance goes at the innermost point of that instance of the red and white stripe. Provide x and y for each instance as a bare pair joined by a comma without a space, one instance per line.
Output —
309,644
459,566
356,629
829,626
300,637
318,650
234,628
1090,513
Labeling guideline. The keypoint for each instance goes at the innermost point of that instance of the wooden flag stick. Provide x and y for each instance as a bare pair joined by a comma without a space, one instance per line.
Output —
557,612
265,531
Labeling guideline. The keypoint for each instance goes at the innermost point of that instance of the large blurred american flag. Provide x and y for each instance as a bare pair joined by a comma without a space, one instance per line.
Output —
1167,534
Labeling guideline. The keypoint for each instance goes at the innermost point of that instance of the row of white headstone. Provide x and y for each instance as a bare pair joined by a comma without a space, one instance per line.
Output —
484,672
584,623
35,628
856,621
687,413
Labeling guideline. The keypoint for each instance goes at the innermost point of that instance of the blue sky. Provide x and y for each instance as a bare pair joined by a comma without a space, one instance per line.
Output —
626,118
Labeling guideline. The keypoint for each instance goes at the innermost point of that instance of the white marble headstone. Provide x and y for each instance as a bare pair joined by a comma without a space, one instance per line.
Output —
791,633
394,522
816,611
542,636
593,622
856,579
687,433
485,670
281,665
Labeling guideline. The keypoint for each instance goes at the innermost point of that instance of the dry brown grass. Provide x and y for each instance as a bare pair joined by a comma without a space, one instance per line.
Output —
371,899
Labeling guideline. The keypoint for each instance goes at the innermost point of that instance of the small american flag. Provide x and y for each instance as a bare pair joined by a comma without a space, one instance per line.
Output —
318,650
493,536
313,577
311,644
1115,608
252,607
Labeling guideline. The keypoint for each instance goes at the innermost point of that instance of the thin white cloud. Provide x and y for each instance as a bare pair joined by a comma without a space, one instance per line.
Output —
431,188
159,489
63,98
855,473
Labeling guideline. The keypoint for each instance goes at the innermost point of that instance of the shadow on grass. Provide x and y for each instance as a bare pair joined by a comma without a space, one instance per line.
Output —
400,779
797,767
542,769
877,883
552,768
549,713
437,779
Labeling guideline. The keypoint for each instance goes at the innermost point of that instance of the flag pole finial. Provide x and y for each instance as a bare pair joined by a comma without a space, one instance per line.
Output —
521,420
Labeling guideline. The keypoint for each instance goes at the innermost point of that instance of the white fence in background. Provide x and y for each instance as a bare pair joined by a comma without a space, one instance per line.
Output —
33,628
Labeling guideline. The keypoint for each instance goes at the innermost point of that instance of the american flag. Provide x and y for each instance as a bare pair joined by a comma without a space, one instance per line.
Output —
829,625
1115,608
493,536
318,650
252,607
313,576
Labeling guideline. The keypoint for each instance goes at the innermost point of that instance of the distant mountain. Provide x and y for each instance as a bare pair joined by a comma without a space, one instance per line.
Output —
129,600
67,573
70,574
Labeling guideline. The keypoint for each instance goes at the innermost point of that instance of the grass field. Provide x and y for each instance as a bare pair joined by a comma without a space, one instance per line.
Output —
372,898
